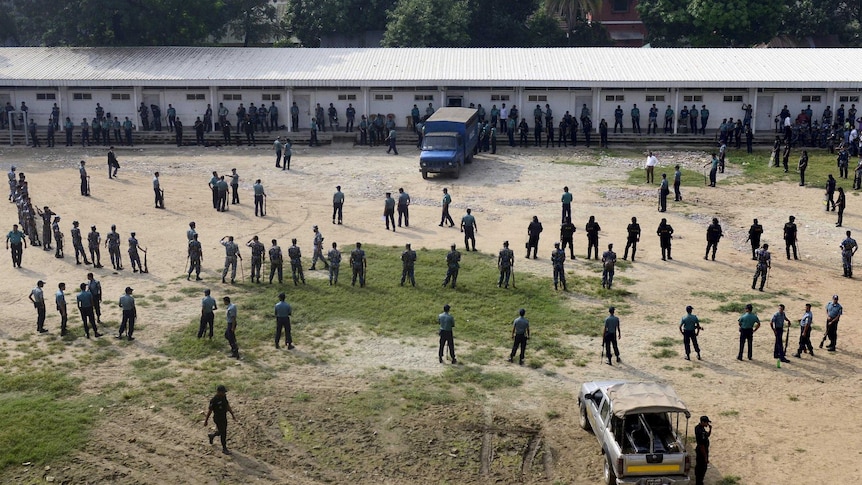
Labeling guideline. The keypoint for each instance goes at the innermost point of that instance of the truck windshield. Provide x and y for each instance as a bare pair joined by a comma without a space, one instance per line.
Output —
439,143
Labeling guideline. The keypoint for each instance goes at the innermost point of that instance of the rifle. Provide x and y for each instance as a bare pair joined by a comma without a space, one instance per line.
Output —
241,270
162,193
602,357
146,269
88,185
264,204
825,334
513,276
787,339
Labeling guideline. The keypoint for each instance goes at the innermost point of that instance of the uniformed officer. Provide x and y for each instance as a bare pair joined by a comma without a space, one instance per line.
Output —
218,409
230,330
295,255
848,249
46,214
334,256
748,325
112,241
663,192
318,250
85,179
60,300
85,306
208,308
689,327
609,261
566,201
790,237
447,199
195,256
159,193
259,196
469,228
78,244
834,310
447,323
130,314
16,239
841,203
403,207
520,335
777,322
276,261
713,235
258,251
665,234
764,263
337,204
134,257
505,262
593,229
567,234
191,231
408,262
805,333
702,432
677,181
58,237
222,194
283,311
389,211
453,265
633,232
754,233
37,297
558,258
359,265
231,254
95,288
234,186
93,240
611,334
533,232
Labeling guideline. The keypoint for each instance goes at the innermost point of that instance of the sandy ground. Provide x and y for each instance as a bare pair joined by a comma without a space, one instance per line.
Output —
770,425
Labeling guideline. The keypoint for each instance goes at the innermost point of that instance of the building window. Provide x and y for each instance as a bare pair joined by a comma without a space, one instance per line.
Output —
195,97
232,97
533,98
811,99
499,97
689,99
615,97
423,97
46,96
652,98
271,97
848,99
347,97
82,96
383,97
733,99
120,96
620,6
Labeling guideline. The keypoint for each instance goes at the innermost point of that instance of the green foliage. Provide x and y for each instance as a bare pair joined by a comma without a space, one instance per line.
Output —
253,21
485,380
309,20
730,480
664,354
420,23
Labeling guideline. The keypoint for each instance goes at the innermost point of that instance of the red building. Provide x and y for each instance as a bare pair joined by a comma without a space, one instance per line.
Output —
623,22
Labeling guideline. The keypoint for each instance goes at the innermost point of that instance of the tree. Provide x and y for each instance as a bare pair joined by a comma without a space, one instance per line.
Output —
805,18
501,23
252,20
734,23
309,20
573,11
544,30
423,23
668,22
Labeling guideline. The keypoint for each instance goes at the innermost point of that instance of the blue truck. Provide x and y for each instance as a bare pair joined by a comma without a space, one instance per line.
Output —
449,140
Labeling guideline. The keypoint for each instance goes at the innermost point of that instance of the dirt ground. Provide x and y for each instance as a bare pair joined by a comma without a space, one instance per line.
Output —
771,425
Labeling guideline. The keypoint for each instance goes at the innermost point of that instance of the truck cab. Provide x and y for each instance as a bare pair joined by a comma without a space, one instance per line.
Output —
449,138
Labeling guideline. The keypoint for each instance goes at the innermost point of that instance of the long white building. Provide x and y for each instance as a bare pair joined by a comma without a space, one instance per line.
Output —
391,81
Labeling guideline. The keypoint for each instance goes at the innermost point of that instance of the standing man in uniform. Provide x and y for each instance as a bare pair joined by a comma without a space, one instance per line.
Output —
663,192
359,265
208,308
258,251
665,235
234,186
754,233
58,237
505,262
130,314
294,117
453,265
222,194
533,232
295,255
777,323
848,249
609,261
830,192
403,207
558,258
276,261
18,242
113,163
259,195
841,203
195,256
802,166
408,261
160,194
469,228
748,325
134,257
677,181
85,306
702,432
78,243
636,120
85,179
95,289
213,185
318,250
46,216
37,297
218,409
689,327
447,200
334,256
592,229
567,235
633,237
805,333
60,300
337,204
520,335
611,334
230,330
790,237
764,264
713,235
283,311
231,254
93,241
447,323
834,310
389,211
112,241
567,204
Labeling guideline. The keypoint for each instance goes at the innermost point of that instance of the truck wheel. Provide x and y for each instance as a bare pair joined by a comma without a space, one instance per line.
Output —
425,174
610,477
583,421
468,158
456,173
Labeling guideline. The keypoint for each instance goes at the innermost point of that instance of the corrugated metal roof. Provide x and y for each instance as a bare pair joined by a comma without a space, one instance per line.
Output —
546,67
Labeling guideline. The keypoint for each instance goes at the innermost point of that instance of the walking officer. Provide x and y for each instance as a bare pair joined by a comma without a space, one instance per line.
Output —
208,308
283,311
558,258
453,265
195,256
389,211
611,334
16,238
334,256
713,235
408,261
85,306
520,335
447,200
318,250
469,228
689,327
609,261
764,264
218,409
790,237
231,250
505,262
295,255
633,238
567,235
78,244
754,233
834,310
230,331
276,261
447,322
533,232
258,254
665,235
848,249
359,265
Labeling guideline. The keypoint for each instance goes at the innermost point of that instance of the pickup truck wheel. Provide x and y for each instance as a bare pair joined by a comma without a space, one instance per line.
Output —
583,421
456,173
610,477
425,174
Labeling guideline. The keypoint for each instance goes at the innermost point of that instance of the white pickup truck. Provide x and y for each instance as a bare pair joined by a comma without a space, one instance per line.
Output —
636,424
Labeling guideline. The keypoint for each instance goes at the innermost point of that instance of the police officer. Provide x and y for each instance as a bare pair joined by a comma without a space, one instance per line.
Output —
16,238
505,262
234,185
218,409
85,306
95,288
469,228
702,432
134,257
609,261
403,207
777,322
295,255
830,192
112,241
848,249
453,265
283,311
558,258
214,187
611,334
447,322
713,235
334,256
195,256
258,254
834,310
58,237
805,333
790,237
677,181
37,297
567,233
389,211
276,261
318,250
754,233
533,232
663,192
93,240
689,327
60,300
259,195
222,194
230,330
130,314
46,216
337,204
633,232
748,325
764,263
231,254
447,200
208,308
159,193
408,261
665,235
593,229
190,233
520,335
85,179
358,264
78,244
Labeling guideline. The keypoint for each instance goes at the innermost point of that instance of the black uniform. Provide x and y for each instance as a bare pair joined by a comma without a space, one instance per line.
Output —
219,407
790,238
567,232
754,233
593,229
701,434
665,234
453,264
713,235
634,235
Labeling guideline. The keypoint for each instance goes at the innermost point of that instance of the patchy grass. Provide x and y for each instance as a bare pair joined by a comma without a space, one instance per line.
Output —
664,354
730,480
690,178
739,307
475,375
730,413
665,342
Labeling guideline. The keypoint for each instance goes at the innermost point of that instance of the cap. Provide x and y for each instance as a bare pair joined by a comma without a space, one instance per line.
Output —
315,227
705,419
13,167
221,388
338,187
129,288
689,308
57,218
75,222
834,297
40,282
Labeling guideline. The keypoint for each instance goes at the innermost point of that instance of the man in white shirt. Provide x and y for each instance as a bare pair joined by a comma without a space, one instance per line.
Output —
504,118
650,164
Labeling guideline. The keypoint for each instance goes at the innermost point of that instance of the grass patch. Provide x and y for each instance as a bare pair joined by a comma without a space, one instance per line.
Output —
755,167
664,342
730,413
664,354
468,374
690,178
697,375
729,480
302,397
153,370
552,415
482,355
738,307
